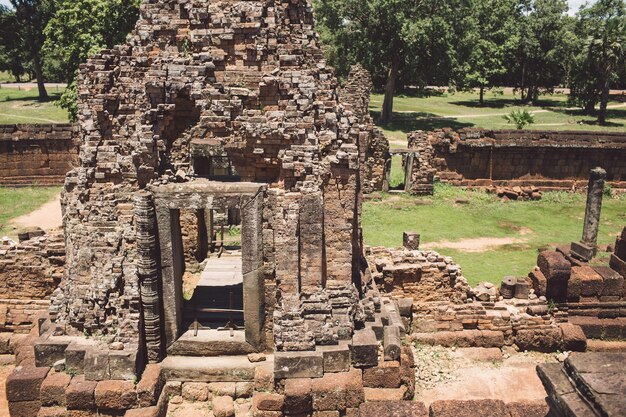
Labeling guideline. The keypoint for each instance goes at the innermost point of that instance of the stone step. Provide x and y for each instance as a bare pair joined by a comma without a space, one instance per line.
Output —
562,396
605,328
587,384
600,379
211,369
597,345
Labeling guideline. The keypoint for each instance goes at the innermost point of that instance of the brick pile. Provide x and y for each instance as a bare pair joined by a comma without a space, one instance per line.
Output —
593,294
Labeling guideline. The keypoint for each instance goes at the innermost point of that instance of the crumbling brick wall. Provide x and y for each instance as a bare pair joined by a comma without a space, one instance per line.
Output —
548,160
29,274
244,79
424,276
36,154
355,96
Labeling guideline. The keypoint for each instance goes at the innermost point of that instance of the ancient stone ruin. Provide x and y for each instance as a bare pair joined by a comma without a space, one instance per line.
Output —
213,250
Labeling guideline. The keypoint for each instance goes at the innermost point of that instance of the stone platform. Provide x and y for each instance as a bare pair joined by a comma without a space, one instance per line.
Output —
587,384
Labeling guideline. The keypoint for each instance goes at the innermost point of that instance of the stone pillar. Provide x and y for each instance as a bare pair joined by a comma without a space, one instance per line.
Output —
148,267
587,247
387,174
411,240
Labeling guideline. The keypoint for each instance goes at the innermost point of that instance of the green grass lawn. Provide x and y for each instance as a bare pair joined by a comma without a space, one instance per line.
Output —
458,110
22,106
15,202
557,219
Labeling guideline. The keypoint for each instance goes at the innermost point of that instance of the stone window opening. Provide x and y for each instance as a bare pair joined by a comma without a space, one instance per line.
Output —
215,167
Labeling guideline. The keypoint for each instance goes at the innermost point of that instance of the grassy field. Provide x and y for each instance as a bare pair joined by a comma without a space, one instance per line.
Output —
557,219
458,110
21,106
15,202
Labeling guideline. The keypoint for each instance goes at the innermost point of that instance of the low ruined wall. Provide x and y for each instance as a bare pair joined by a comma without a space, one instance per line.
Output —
29,274
548,160
36,154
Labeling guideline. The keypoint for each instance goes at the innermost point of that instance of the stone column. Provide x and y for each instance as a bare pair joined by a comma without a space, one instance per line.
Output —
148,267
587,247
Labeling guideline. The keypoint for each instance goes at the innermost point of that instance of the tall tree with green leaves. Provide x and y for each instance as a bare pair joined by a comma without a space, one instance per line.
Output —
601,28
12,57
545,47
31,18
486,50
391,38
81,28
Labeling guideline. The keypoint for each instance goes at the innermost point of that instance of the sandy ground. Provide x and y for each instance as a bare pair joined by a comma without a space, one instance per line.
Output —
477,373
47,217
481,244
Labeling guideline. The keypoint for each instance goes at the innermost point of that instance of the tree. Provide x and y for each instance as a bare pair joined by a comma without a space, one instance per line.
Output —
11,54
391,38
81,28
488,44
31,17
601,29
545,47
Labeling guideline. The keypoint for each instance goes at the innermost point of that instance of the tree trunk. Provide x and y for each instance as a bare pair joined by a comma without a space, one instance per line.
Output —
390,88
43,94
590,107
523,81
534,98
482,95
604,101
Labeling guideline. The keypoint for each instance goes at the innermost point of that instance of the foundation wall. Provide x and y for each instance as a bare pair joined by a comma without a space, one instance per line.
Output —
548,160
29,274
36,154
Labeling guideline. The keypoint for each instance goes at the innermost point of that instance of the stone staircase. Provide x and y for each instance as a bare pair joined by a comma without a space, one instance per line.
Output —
586,385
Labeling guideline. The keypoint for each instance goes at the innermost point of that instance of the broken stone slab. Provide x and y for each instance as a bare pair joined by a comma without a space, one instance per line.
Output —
411,240
298,364
24,383
582,251
392,343
613,281
364,348
79,394
97,365
405,307
377,326
385,375
338,391
336,358
214,369
123,364
394,315
50,351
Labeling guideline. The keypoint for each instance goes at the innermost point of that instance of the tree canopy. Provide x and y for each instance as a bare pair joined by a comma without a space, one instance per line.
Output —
531,45
81,28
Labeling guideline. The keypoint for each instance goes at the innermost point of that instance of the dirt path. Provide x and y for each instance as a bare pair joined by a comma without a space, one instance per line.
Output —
465,116
47,217
481,244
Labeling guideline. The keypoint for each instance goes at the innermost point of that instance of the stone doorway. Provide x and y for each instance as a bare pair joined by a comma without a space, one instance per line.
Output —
403,160
231,282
